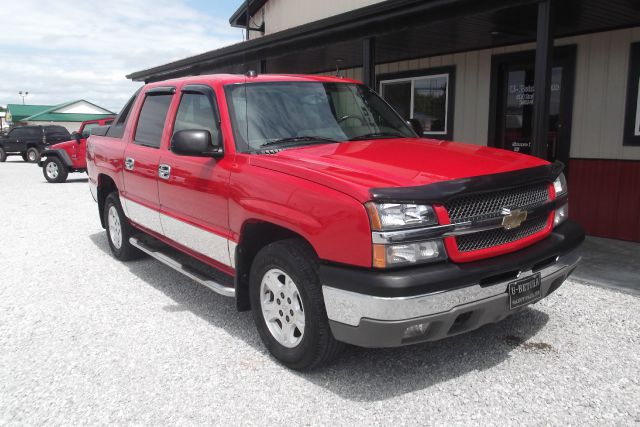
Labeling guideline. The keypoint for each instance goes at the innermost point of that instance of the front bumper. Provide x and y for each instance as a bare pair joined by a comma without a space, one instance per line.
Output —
445,299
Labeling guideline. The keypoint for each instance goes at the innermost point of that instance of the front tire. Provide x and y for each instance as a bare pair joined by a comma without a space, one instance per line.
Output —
54,170
119,230
33,155
3,155
288,307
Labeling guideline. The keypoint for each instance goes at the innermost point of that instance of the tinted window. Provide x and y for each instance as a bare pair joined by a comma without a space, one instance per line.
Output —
17,133
117,129
56,130
86,130
30,132
196,112
151,121
33,132
265,113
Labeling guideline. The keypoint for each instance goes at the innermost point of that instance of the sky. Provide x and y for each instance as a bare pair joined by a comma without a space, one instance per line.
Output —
65,50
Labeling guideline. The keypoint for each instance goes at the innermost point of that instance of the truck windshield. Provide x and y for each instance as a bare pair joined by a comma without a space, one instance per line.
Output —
284,114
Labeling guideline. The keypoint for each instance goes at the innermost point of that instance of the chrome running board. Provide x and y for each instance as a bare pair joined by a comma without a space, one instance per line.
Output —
174,263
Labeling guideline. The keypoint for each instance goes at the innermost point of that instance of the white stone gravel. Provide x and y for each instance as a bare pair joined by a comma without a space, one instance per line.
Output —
85,339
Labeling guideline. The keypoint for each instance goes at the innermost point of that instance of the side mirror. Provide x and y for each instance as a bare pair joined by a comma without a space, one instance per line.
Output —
76,136
416,126
195,142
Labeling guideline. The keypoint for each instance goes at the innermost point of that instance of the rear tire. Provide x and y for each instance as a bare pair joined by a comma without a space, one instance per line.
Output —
33,155
3,155
24,157
288,306
54,170
119,230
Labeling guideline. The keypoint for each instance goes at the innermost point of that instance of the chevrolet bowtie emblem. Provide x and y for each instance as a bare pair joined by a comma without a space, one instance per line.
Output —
513,218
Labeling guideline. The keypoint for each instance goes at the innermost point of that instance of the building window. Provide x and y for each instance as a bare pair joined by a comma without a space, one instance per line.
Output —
632,119
425,95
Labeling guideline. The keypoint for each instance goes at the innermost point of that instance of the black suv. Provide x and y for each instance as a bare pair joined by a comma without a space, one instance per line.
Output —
30,141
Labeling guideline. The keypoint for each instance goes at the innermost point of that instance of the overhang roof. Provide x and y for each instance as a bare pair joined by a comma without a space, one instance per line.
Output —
405,29
239,17
19,112
52,114
66,117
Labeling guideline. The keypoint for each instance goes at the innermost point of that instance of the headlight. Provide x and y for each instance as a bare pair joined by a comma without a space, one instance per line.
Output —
560,185
561,215
408,253
394,216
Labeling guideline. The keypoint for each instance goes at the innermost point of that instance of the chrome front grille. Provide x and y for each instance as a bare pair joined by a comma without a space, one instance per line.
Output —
500,236
488,205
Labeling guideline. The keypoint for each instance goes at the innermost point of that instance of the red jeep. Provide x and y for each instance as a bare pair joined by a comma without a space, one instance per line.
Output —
313,204
69,156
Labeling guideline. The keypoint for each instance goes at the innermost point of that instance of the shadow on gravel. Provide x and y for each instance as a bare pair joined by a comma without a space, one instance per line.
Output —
69,181
358,374
18,160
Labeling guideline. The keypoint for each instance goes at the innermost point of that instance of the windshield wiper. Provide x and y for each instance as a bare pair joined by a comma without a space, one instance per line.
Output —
377,135
295,139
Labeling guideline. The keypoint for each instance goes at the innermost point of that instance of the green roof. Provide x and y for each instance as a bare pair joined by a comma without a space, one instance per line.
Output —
66,117
47,113
20,112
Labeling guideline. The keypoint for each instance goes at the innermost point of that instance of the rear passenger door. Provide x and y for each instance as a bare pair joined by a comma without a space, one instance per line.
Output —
194,190
142,155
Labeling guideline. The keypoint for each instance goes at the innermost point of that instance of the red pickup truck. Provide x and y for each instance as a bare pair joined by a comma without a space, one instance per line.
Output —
70,156
315,205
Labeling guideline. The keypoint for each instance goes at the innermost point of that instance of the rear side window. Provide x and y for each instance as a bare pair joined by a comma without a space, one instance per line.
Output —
196,112
33,132
151,120
117,128
56,131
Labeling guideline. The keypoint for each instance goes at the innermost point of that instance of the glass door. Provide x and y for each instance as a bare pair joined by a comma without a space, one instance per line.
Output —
514,105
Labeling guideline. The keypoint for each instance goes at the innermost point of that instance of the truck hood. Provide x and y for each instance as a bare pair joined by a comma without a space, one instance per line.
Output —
356,167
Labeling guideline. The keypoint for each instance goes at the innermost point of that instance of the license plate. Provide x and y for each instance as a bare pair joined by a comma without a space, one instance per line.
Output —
524,291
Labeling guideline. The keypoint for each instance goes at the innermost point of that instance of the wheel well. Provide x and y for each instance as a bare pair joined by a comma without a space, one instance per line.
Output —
106,186
255,236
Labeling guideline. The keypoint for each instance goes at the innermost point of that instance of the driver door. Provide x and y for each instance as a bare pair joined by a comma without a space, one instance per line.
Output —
15,140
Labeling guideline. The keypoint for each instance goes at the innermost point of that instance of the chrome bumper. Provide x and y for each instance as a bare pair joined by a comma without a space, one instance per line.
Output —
349,308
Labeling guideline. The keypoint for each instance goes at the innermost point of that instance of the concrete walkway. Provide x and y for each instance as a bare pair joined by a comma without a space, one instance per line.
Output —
611,264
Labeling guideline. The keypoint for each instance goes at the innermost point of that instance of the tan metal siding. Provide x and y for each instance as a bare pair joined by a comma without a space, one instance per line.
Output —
283,14
602,65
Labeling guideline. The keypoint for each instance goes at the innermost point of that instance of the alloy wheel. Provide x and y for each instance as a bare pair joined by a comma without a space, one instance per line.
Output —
52,170
115,228
282,308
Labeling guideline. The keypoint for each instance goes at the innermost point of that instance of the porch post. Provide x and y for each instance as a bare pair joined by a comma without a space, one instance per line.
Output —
542,78
262,66
369,61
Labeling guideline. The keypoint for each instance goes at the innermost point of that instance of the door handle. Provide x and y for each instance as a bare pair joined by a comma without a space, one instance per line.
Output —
129,163
164,171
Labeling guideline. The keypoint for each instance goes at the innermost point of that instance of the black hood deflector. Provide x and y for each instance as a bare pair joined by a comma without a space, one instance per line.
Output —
441,192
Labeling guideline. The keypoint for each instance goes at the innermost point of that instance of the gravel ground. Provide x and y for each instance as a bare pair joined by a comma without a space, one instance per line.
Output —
85,339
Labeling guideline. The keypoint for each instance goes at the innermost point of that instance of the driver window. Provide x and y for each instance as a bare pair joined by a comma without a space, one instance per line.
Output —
197,113
17,133
349,111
